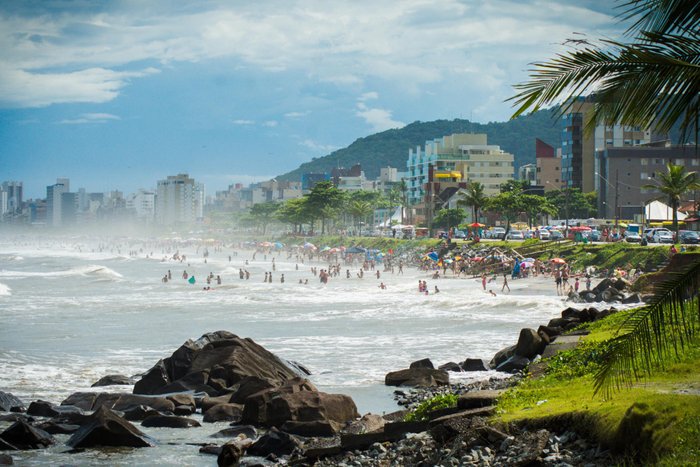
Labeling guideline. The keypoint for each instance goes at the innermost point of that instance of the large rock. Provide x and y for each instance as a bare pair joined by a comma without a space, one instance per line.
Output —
212,364
514,364
529,343
276,406
105,428
450,366
501,356
247,431
46,409
274,442
21,435
424,363
224,413
167,421
417,377
10,403
474,364
602,285
113,380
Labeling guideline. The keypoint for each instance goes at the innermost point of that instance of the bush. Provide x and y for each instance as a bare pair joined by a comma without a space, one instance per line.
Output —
442,401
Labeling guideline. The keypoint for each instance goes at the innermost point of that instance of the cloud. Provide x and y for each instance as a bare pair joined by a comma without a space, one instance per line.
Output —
368,96
270,123
296,114
90,118
318,147
243,122
378,119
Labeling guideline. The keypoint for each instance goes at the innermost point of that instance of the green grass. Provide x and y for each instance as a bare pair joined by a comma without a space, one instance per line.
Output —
441,401
657,421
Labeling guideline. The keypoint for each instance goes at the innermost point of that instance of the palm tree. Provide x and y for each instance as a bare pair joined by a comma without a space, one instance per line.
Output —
653,81
473,197
359,210
673,185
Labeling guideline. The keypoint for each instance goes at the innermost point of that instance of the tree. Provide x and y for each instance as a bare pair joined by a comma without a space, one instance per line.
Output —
534,206
571,202
324,202
652,81
359,210
514,185
294,212
473,197
263,214
508,205
673,185
448,218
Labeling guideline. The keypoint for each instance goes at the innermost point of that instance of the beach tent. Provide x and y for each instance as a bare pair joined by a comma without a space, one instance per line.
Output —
658,211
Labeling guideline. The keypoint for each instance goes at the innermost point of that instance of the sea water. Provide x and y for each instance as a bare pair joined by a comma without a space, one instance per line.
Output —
74,310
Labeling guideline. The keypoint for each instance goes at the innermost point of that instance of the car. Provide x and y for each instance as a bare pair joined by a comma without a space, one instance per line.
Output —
594,235
515,235
543,234
632,237
459,234
689,237
498,232
555,235
663,236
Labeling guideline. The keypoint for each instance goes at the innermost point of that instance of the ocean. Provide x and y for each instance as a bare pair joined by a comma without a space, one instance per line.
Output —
76,309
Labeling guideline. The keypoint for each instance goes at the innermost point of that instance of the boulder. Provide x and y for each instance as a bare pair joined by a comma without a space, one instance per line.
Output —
588,296
183,410
277,406
212,364
529,343
46,409
622,284
105,428
424,363
274,442
247,431
208,402
514,364
113,380
251,385
21,435
139,412
450,366
127,401
168,421
224,413
474,364
82,400
417,377
369,423
501,356
602,285
229,455
183,399
478,399
10,403
611,294
571,313
633,298
309,429
55,428
6,459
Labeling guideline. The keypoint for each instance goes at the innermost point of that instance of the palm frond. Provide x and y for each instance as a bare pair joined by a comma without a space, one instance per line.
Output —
654,334
661,15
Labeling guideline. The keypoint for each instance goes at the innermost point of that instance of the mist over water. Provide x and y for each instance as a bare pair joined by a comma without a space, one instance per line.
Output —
72,313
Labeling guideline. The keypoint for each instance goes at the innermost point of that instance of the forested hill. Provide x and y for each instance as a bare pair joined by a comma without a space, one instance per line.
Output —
390,148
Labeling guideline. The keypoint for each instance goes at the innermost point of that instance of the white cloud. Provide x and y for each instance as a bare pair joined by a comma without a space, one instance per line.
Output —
318,147
368,96
378,119
271,123
243,122
90,118
296,114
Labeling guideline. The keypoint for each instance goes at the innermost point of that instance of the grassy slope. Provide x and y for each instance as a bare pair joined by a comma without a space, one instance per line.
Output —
656,420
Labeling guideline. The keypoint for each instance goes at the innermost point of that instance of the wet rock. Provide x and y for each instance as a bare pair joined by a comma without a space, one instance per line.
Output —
21,435
15,417
514,364
251,385
501,356
274,442
127,401
529,344
299,368
82,400
167,421
105,428
633,298
424,363
139,412
422,377
450,366
10,403
113,380
46,409
474,364
214,449
248,431
55,428
208,401
183,410
183,400
230,455
6,459
224,413
367,424
308,429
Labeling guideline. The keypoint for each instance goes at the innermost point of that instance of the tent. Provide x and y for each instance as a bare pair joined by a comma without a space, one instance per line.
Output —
658,211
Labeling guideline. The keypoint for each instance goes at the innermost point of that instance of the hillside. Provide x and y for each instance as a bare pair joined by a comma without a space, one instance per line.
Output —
390,148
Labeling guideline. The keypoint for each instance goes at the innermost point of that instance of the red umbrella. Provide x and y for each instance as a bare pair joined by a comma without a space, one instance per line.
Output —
558,261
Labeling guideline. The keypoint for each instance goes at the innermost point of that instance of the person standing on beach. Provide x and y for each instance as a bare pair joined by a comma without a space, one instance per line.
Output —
505,283
483,280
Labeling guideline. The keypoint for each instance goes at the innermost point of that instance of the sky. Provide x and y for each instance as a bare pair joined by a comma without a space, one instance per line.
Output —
116,95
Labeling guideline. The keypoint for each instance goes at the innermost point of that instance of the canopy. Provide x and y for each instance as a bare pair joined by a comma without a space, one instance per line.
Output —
476,225
582,228
558,261
658,211
325,248
279,245
309,246
432,255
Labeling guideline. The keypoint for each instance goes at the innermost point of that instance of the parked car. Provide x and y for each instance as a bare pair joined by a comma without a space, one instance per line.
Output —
459,234
555,235
595,236
689,237
516,235
661,235
543,234
498,232
632,237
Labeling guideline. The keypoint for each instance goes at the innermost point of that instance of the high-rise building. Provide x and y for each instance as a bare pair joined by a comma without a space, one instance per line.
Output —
179,199
13,192
54,201
143,204
548,164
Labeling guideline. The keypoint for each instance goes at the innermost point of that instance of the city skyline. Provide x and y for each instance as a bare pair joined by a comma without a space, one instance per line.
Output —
121,94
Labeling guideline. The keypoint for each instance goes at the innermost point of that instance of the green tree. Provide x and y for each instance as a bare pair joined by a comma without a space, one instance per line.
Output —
652,81
324,202
263,214
360,211
508,205
535,206
571,202
673,184
448,218
514,185
473,197
294,212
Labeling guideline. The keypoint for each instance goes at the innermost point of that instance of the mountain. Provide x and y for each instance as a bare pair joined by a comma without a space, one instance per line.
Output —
390,148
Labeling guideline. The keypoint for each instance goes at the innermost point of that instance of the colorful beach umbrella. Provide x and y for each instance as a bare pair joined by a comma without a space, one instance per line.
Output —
558,261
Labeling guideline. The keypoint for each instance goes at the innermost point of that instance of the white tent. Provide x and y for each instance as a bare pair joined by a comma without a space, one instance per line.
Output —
658,211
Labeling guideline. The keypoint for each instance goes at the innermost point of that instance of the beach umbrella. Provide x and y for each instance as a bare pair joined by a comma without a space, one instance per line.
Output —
309,246
558,261
325,248
525,265
380,255
279,245
476,225
266,244
528,260
432,255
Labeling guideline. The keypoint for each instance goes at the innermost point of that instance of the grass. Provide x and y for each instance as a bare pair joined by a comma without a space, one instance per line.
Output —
657,421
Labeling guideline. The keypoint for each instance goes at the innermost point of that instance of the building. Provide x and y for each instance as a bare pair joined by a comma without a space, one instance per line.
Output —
179,199
309,180
579,146
528,172
10,198
142,204
623,172
54,202
548,166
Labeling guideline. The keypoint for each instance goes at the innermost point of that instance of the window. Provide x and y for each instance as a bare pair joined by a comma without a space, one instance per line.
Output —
658,161
643,175
643,161
680,161
695,162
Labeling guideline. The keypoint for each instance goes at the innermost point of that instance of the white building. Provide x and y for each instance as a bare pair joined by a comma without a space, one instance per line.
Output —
143,203
179,199
54,193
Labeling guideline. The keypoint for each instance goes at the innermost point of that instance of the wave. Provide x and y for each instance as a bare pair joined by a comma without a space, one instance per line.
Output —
5,290
96,270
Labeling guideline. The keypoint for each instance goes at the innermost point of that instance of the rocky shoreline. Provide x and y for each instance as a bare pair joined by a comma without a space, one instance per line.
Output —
278,417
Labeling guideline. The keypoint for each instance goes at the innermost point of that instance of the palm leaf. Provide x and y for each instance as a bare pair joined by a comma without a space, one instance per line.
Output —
661,15
654,334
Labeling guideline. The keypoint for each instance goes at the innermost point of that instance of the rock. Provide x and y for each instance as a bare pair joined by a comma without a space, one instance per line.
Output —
560,344
633,298
82,400
139,412
602,285
424,363
46,409
167,421
367,424
610,294
417,377
183,410
476,399
622,284
310,429
208,401
210,449
15,417
277,406
55,428
514,364
251,385
224,413
450,366
5,446
113,380
127,401
22,435
10,403
529,447
571,313
588,296
230,455
6,459
105,428
212,364
248,431
300,369
501,356
529,344
274,442
474,364
183,400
